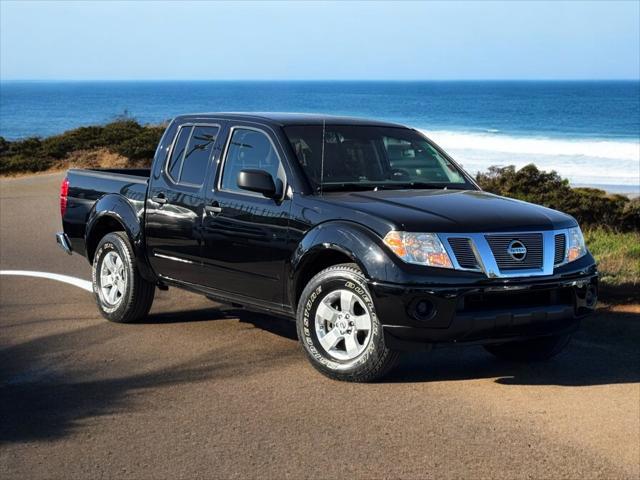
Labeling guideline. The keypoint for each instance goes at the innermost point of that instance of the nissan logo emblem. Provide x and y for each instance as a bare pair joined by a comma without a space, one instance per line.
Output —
517,250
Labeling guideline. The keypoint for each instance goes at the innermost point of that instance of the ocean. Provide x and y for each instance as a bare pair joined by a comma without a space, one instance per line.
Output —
588,131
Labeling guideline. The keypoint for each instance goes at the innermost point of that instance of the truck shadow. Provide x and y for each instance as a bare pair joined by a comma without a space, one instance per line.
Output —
184,316
278,326
45,394
604,351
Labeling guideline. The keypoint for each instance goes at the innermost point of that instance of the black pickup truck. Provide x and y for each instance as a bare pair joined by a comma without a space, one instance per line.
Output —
365,233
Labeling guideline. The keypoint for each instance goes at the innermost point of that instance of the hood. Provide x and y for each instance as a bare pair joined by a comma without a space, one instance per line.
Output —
453,211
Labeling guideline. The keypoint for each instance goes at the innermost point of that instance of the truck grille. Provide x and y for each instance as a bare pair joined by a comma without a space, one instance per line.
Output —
464,253
507,255
499,245
561,243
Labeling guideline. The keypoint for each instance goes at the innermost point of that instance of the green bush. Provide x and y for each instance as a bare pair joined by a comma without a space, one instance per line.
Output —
120,131
123,136
4,146
142,146
21,163
84,138
592,208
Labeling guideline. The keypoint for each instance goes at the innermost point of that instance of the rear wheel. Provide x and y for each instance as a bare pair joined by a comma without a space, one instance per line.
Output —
122,295
339,329
535,350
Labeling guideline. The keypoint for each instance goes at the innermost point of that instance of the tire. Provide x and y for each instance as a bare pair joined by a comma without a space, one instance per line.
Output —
128,297
342,343
535,350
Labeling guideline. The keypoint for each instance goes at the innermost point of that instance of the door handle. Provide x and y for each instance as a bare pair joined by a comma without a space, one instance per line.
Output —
160,198
213,209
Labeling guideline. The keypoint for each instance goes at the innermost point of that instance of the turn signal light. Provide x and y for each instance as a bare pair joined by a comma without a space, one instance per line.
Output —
576,247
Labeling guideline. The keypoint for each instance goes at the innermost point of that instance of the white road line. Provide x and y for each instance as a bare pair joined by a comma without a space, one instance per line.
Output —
78,282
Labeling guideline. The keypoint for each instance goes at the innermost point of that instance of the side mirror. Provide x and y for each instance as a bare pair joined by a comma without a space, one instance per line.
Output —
257,181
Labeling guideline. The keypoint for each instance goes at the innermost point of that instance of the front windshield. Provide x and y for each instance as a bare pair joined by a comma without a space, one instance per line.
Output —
370,157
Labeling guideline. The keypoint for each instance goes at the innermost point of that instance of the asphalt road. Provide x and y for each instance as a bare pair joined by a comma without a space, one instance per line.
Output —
206,391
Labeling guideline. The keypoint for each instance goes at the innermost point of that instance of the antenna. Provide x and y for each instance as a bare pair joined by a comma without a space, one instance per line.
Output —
324,126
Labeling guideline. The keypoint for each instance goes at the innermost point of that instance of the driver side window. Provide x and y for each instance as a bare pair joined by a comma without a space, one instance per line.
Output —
249,149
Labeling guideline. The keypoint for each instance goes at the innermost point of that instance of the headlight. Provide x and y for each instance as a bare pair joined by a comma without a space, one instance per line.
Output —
575,244
418,248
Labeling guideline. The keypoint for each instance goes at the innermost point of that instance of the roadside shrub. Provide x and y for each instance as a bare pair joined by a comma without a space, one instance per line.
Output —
20,163
631,215
29,147
115,133
591,207
124,136
84,138
4,145
142,146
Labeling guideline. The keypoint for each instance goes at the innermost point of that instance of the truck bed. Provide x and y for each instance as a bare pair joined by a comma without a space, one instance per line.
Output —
88,186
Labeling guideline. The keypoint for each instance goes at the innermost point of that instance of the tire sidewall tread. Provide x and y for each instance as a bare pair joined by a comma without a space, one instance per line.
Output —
375,361
139,292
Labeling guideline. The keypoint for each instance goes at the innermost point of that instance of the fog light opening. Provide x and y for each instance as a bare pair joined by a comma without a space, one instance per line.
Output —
590,296
423,309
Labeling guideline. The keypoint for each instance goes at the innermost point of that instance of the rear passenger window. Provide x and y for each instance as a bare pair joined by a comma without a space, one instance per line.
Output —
249,149
192,152
196,158
175,162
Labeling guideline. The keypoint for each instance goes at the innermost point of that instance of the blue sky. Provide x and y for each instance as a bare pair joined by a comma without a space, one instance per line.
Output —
319,40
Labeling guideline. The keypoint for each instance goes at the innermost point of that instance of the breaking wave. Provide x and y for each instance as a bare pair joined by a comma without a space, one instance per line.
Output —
582,161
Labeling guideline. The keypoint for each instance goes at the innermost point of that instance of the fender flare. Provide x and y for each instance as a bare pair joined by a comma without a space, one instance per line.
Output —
357,242
118,208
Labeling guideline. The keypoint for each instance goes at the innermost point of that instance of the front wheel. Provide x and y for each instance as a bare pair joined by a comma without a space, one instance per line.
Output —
122,295
535,350
339,329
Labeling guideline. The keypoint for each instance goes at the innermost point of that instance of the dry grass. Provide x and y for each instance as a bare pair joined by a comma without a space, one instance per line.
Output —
100,158
96,158
618,257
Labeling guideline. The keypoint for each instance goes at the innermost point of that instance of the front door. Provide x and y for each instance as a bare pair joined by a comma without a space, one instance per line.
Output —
175,204
245,234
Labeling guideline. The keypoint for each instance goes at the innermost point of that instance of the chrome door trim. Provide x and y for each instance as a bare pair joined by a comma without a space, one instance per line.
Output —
175,259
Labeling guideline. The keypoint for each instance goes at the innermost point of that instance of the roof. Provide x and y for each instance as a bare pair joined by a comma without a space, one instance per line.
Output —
284,119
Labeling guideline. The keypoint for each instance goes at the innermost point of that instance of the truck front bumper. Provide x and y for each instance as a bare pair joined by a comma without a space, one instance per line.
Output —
415,316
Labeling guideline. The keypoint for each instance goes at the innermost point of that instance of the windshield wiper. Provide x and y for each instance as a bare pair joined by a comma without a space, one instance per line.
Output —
355,186
423,185
347,186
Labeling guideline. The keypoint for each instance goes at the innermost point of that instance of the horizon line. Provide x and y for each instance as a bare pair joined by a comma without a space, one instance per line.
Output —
396,80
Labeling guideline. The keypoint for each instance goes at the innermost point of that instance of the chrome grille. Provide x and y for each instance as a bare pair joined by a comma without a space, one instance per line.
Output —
561,243
489,252
499,245
464,252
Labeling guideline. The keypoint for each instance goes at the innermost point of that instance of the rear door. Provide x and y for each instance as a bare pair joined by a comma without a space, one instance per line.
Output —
176,199
245,234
